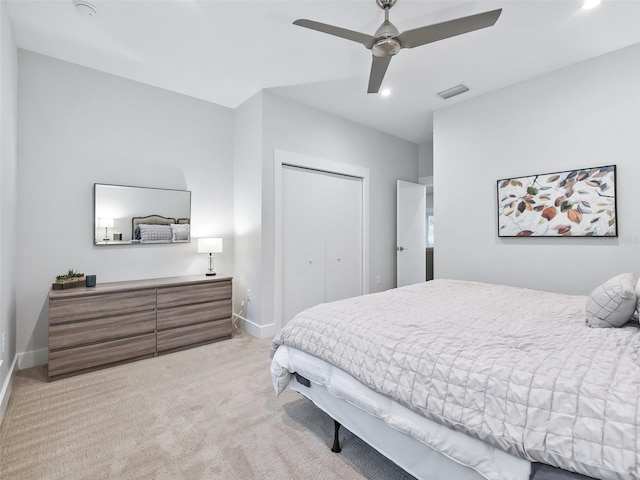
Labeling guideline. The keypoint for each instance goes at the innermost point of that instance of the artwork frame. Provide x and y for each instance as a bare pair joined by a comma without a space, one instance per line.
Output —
579,202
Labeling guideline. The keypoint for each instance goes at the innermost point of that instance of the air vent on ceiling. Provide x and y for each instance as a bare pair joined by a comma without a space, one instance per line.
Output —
453,91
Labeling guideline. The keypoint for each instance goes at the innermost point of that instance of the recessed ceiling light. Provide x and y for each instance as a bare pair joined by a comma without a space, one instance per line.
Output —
385,92
588,4
85,8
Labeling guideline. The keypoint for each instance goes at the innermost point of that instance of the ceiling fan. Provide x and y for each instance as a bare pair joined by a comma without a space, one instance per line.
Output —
387,41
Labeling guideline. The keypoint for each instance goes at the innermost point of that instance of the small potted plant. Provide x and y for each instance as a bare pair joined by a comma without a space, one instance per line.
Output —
69,280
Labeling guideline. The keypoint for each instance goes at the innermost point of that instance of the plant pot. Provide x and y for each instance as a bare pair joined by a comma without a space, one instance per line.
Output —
70,283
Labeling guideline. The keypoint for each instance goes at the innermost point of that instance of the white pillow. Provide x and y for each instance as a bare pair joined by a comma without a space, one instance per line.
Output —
155,233
613,303
180,232
638,300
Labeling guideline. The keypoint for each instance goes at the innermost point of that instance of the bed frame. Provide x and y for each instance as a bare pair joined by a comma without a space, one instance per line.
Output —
415,457
410,454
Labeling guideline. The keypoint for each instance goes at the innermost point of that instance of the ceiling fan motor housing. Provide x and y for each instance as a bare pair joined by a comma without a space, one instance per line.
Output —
386,45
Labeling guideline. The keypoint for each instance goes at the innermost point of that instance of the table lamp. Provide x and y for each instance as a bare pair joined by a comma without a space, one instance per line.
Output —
210,246
105,223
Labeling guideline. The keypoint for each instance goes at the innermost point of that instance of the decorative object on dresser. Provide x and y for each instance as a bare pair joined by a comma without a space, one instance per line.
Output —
210,246
69,280
119,322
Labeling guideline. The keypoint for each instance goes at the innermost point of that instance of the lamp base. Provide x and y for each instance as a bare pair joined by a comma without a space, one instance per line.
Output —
210,274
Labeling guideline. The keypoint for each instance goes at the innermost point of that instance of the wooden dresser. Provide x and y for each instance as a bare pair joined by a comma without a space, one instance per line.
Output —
119,322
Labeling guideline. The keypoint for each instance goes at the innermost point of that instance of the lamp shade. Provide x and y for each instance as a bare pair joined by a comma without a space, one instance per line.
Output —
105,222
209,245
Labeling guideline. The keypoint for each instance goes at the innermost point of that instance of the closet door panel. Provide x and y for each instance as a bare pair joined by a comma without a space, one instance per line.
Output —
343,238
303,270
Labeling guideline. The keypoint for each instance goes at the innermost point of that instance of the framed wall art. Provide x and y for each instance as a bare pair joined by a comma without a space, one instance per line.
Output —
575,203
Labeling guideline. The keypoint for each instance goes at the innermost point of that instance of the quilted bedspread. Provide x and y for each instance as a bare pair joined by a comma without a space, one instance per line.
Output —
516,368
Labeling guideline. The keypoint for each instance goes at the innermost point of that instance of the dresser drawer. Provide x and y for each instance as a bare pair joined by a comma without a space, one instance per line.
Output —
80,358
190,314
193,334
68,309
187,294
67,335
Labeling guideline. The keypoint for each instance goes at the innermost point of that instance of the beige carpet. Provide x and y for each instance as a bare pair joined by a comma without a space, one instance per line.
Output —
205,413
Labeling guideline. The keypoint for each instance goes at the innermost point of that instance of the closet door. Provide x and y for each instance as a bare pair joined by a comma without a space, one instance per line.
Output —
321,239
303,271
343,238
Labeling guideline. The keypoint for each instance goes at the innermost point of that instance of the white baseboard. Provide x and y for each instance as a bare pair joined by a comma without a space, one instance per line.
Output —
32,358
255,330
5,393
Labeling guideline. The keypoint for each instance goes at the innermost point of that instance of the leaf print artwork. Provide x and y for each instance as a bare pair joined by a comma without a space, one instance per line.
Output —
579,202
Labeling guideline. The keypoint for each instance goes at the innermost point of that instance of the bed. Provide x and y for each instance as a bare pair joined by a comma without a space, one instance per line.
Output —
160,229
472,381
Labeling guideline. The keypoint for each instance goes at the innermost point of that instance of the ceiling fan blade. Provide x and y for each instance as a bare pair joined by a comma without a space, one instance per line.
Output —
363,38
451,28
378,69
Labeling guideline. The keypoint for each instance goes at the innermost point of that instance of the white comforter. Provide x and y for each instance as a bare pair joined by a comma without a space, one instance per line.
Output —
516,368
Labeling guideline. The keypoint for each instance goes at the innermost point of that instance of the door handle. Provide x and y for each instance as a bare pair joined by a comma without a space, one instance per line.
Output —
401,249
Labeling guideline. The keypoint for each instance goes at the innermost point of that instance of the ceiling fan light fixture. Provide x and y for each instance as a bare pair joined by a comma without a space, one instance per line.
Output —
453,91
589,4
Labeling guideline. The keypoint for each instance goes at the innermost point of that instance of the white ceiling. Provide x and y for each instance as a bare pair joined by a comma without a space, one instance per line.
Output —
226,51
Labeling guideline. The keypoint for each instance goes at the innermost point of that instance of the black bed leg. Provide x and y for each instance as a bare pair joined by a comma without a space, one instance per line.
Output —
336,443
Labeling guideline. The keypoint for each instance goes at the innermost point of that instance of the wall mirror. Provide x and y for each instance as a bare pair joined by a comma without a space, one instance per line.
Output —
140,215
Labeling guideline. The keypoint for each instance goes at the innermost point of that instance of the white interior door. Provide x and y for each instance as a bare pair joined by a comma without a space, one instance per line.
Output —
303,270
410,233
343,237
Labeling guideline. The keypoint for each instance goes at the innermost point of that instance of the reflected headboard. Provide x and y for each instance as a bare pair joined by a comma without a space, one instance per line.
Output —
148,220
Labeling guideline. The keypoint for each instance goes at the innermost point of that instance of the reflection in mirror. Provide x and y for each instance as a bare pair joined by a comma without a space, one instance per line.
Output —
140,215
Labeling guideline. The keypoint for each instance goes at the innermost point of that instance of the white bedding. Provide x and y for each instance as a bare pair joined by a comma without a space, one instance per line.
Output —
515,368
484,459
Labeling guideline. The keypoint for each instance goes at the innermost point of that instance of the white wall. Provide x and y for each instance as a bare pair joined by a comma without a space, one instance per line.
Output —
425,159
584,115
294,127
8,197
425,171
78,126
247,199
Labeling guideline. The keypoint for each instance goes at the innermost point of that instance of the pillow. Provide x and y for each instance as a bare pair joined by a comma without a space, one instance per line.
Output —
179,233
638,295
155,233
613,303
